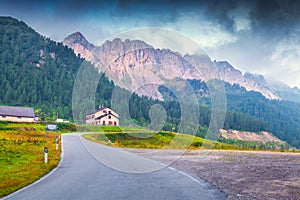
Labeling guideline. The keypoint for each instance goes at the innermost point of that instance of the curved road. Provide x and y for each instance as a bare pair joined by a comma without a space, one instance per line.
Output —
82,176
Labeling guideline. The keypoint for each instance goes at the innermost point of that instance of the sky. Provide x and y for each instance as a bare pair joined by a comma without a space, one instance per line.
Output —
259,36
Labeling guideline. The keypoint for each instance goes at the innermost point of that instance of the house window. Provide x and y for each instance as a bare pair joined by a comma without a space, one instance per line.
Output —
109,117
115,123
103,122
19,117
3,116
110,122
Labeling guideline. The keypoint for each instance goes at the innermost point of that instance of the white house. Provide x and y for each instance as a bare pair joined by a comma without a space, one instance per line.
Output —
17,114
103,117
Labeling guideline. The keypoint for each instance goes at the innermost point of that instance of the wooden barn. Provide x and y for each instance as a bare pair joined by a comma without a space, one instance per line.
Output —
17,114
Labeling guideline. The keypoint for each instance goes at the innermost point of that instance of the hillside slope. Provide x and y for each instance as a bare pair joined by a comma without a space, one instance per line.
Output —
36,71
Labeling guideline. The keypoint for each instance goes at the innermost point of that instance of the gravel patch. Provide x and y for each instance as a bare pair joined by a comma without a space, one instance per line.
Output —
240,174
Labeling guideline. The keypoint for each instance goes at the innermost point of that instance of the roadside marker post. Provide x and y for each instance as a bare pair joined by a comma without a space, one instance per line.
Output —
50,127
56,143
46,154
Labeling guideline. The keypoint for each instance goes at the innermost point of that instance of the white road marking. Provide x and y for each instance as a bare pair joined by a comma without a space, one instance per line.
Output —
185,174
163,165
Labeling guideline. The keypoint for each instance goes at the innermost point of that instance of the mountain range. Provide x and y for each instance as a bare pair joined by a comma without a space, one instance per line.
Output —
139,67
39,72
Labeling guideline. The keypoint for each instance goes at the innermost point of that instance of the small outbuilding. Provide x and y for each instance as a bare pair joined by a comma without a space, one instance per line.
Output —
17,114
103,117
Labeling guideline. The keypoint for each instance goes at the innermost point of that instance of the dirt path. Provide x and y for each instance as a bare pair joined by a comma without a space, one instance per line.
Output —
241,174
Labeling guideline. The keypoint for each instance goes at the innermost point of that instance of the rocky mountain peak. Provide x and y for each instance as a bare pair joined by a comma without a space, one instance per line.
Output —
80,45
78,38
117,43
224,66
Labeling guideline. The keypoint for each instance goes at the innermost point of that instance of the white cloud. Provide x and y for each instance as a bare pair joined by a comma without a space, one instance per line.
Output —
287,53
206,33
241,24
287,58
191,26
240,17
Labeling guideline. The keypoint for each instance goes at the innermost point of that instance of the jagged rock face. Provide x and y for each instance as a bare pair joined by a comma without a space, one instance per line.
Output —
78,38
80,45
203,65
249,81
138,67
137,56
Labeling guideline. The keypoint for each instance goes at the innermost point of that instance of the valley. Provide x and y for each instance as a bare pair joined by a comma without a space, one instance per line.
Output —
47,71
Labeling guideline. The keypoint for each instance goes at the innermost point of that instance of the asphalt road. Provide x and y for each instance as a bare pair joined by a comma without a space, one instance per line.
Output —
91,171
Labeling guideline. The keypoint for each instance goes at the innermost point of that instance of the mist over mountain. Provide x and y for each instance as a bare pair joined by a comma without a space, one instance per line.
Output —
249,81
284,91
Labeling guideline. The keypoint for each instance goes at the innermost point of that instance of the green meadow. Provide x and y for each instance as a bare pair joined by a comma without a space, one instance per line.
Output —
22,154
125,137
141,138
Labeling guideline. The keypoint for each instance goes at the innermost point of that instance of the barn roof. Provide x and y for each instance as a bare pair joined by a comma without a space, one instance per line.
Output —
106,115
16,111
100,110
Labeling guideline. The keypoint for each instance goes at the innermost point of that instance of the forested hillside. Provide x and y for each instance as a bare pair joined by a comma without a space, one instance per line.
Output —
281,117
38,72
253,112
35,71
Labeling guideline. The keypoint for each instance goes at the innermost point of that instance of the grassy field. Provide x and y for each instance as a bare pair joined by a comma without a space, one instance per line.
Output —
141,138
22,145
21,154
126,137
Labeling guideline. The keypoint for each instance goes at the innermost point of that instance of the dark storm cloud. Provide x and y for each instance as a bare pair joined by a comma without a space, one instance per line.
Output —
65,10
266,17
159,11
264,14
275,17
276,12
